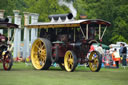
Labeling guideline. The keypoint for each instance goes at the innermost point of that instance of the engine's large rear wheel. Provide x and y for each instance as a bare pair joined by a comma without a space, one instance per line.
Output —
41,53
95,60
70,61
7,61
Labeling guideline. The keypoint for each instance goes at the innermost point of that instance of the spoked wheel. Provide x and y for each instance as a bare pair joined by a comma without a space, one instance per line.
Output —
41,53
8,61
95,60
70,61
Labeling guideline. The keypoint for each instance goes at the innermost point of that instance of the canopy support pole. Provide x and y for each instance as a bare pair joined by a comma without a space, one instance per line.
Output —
86,31
82,32
103,32
74,35
99,31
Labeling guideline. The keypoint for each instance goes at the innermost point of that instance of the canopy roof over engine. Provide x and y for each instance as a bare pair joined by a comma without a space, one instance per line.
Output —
5,25
69,23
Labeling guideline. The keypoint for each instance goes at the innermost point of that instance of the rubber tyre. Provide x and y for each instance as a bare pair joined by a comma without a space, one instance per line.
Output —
7,61
41,53
95,61
70,61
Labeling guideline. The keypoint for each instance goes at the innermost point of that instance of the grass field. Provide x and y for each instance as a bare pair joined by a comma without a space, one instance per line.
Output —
22,74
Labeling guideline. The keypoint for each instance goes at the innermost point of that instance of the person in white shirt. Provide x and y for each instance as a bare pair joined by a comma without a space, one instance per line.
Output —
100,49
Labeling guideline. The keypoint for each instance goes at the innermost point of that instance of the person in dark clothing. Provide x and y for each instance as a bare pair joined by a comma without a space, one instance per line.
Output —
124,56
121,49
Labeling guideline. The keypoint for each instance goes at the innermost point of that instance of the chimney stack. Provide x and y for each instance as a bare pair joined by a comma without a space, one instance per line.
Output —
61,17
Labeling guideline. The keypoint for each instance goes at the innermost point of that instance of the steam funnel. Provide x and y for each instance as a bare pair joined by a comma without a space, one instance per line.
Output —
61,17
4,19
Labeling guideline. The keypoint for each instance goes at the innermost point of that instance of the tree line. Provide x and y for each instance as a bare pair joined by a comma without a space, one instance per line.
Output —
114,11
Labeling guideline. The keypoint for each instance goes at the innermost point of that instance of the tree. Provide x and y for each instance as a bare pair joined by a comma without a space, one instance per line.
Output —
114,11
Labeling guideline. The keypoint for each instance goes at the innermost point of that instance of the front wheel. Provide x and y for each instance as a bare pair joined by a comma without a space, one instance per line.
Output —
8,61
70,61
95,61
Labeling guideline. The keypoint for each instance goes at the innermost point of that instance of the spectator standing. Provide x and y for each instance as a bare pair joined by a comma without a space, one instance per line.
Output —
124,55
121,50
116,57
111,49
100,49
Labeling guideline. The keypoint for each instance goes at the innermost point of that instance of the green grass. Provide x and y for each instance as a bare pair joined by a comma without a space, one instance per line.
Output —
22,74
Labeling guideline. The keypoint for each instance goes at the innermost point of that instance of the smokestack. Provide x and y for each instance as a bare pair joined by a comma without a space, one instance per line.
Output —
61,17
4,19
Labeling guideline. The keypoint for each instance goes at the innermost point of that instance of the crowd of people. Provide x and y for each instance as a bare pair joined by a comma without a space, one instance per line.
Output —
114,55
120,56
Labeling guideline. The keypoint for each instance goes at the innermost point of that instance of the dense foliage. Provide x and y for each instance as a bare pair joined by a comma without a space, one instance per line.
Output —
114,11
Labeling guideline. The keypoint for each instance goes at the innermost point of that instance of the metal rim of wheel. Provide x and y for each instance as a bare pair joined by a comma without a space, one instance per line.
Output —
39,54
7,62
70,61
95,61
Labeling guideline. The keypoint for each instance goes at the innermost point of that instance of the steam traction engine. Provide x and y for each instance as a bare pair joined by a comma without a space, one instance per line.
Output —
67,41
5,55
